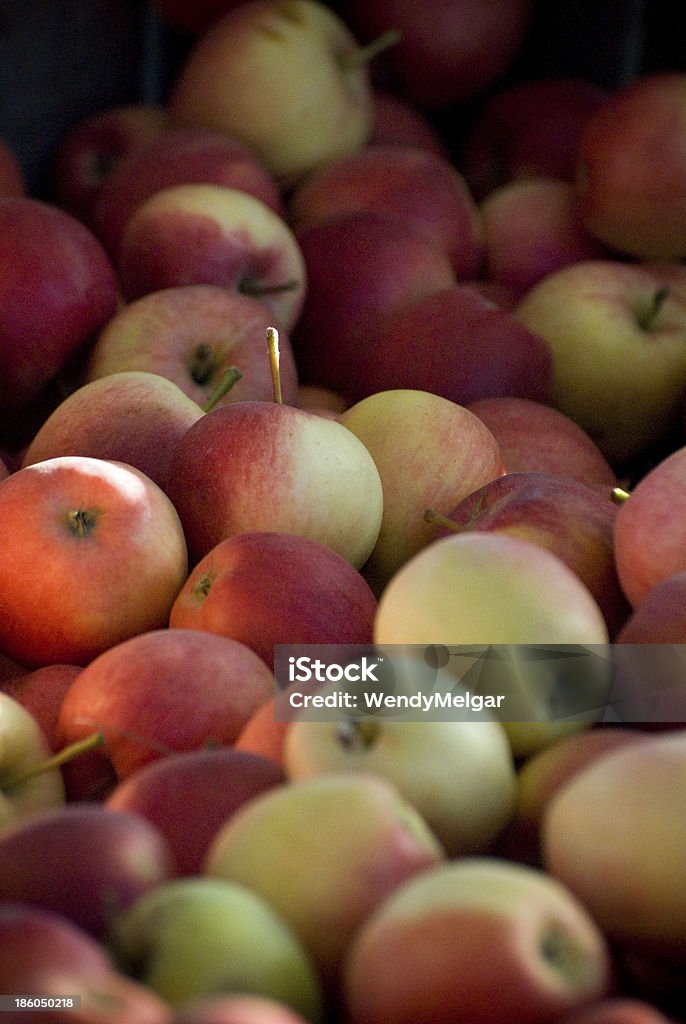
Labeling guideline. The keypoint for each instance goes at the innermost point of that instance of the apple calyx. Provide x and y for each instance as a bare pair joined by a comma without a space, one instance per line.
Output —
229,378
358,734
275,362
351,60
81,521
563,954
646,318
431,515
248,286
62,757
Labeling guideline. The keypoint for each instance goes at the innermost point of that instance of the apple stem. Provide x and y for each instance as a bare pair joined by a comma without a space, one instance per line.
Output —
229,378
274,363
352,59
63,756
619,495
438,519
647,317
358,735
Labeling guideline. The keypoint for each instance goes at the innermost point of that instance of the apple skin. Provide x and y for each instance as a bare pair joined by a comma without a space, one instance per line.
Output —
618,1010
45,952
279,845
660,615
263,588
192,17
246,1009
627,199
396,120
91,149
161,692
464,347
299,473
361,267
193,334
212,234
135,417
418,186
531,227
51,256
476,939
12,180
189,796
23,748
571,519
400,427
448,52
177,156
84,861
198,936
594,841
41,692
535,437
648,537
526,129
296,120
103,577
601,313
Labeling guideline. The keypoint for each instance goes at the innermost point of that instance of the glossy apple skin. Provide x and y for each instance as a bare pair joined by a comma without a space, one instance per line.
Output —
52,257
299,473
189,796
626,198
134,417
476,939
193,334
111,552
177,156
265,588
161,692
84,861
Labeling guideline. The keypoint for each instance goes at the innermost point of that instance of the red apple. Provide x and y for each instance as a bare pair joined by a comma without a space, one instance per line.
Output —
212,234
12,180
264,588
396,120
420,187
41,692
111,552
660,615
177,156
264,732
617,1010
627,198
58,288
193,334
92,148
164,691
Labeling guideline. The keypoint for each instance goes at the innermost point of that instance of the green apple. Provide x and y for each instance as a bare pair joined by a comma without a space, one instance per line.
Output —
24,751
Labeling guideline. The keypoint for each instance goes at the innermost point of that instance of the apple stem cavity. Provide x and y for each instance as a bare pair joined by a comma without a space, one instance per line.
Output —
431,515
81,521
358,735
275,363
353,59
647,317
257,291
62,757
229,378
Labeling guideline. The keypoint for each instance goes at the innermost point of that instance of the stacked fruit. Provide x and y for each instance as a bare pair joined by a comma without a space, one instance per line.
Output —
282,364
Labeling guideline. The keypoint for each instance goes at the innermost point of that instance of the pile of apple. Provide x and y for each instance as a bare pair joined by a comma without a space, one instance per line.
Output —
282,365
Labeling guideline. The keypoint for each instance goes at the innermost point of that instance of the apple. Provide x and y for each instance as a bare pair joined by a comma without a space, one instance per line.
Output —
192,16
161,692
464,346
188,796
491,591
395,120
191,937
264,588
309,93
628,322
134,417
323,852
322,400
618,1010
420,187
212,234
458,774
94,145
449,51
660,615
531,227
82,860
648,540
535,437
527,128
51,257
614,836
627,199
428,451
46,956
26,782
177,156
41,692
12,179
242,1009
193,335
361,267
111,552
299,473
476,939
573,520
